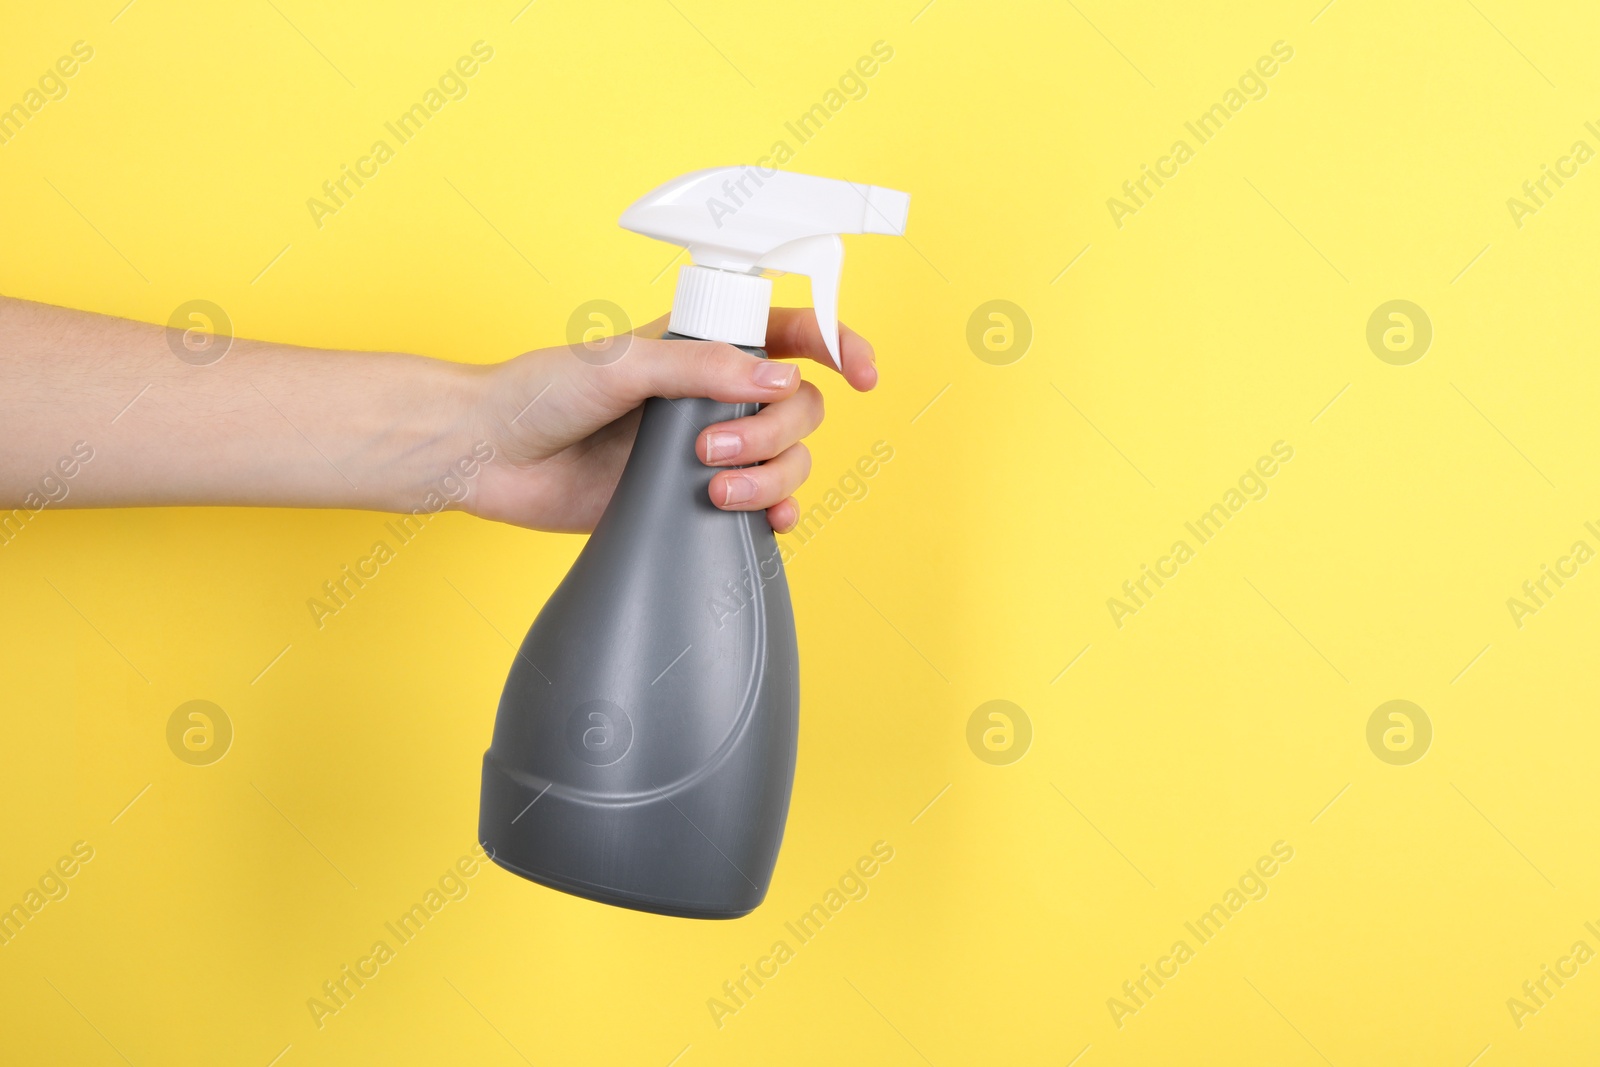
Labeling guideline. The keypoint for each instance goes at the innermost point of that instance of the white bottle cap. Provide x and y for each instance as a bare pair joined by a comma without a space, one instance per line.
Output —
721,305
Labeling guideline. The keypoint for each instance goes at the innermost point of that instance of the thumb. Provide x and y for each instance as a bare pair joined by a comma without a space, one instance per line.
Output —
685,368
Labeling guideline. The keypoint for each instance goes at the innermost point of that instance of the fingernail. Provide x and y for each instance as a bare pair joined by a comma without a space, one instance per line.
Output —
773,375
737,488
721,446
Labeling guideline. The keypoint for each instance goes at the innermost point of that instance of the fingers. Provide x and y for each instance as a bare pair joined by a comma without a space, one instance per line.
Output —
763,435
759,488
770,438
783,515
793,332
675,369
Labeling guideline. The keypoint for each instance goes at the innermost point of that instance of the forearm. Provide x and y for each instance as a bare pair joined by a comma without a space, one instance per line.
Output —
267,424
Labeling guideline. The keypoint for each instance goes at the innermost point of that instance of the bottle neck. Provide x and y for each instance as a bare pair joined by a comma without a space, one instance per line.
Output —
721,305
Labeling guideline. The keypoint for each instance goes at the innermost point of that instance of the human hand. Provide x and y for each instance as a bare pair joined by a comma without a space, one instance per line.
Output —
562,427
268,424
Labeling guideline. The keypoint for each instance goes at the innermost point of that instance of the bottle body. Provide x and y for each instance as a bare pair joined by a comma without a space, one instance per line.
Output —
644,746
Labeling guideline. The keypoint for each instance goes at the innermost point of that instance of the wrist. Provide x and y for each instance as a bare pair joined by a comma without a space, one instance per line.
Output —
428,435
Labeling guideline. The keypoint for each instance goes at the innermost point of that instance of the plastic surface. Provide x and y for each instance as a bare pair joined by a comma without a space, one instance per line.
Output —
721,305
644,748
746,220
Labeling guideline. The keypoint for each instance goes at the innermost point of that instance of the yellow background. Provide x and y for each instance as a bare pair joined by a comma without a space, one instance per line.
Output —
1223,717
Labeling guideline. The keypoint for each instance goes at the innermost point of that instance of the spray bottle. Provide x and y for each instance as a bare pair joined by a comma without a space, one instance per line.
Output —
644,748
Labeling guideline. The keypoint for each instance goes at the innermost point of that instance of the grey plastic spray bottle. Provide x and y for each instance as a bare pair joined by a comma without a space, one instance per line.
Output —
644,748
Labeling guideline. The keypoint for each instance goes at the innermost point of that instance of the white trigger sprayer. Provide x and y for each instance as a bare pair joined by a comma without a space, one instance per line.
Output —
740,222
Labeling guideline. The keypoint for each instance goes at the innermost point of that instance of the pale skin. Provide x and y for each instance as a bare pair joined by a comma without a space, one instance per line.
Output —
282,426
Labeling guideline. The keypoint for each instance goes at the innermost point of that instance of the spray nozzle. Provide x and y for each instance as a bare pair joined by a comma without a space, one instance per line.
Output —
740,223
